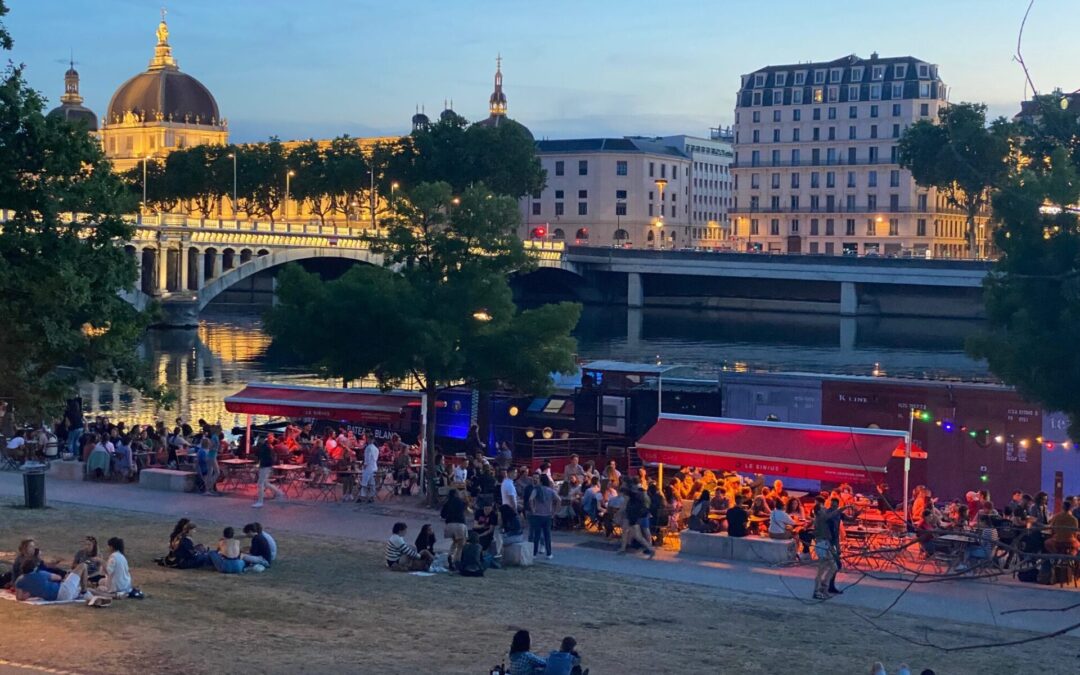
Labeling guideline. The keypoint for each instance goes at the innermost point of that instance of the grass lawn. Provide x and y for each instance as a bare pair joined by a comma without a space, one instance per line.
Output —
330,606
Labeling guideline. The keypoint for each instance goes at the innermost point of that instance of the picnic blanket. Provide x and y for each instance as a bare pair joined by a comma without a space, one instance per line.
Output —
8,595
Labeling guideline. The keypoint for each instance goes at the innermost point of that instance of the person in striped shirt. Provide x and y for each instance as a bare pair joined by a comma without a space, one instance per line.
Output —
401,555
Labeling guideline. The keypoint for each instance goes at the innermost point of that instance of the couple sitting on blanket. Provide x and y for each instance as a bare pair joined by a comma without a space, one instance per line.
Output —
226,557
33,579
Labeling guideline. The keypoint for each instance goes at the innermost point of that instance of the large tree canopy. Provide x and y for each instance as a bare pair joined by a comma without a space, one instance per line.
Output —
59,281
440,310
1033,294
961,157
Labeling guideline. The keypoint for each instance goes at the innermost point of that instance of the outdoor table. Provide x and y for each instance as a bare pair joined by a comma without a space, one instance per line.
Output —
290,475
951,548
235,471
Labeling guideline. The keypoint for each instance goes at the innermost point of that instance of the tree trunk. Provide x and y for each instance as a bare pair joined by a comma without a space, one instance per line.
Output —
428,434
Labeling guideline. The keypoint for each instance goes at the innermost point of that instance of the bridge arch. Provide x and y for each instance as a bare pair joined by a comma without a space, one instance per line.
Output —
274,259
550,283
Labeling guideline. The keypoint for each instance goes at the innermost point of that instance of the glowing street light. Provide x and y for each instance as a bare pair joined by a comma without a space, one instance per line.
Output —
232,156
482,315
288,177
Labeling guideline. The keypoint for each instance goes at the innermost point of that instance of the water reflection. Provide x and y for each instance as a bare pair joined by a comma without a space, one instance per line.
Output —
228,350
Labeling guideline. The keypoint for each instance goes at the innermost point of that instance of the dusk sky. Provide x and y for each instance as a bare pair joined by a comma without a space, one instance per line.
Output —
572,68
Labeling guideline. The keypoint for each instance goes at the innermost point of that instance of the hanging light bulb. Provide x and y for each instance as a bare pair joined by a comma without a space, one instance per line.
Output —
999,439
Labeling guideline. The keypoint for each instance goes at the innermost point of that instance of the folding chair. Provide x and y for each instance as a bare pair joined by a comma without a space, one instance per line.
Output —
324,489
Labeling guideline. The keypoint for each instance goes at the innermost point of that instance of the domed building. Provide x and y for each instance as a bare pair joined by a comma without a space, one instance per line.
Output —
420,120
71,107
497,105
160,110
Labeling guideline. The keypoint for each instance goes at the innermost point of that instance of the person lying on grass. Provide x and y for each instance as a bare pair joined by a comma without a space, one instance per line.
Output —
401,555
38,583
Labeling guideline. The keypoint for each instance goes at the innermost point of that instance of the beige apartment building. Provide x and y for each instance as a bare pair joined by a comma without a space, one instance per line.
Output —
816,168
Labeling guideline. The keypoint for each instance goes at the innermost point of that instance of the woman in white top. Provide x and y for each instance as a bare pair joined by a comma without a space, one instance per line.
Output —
780,524
117,575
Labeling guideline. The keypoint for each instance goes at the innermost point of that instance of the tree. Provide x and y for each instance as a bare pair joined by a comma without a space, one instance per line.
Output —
961,157
439,312
310,184
60,281
1033,293
262,168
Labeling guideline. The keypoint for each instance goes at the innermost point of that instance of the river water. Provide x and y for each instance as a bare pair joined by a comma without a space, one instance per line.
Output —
228,349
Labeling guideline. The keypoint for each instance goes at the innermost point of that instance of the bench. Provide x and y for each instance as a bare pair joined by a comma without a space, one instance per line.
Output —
722,547
170,480
67,470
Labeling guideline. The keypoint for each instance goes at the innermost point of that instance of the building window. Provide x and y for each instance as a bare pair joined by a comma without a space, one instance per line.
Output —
832,113
755,181
757,98
583,208
836,74
776,116
558,194
853,112
815,179
800,77
924,109
776,181
873,155
582,194
795,180
774,227
853,92
663,172
832,133
922,203
894,178
871,202
536,208
877,72
830,226
924,90
620,168
796,115
920,227
650,210
778,97
754,226
924,70
775,135
819,95
620,194
796,96
856,74
558,208
830,179
849,227
560,168
795,135
851,179
819,77
583,167
896,131
871,179
780,79
652,169
674,172
894,155
794,225
620,208
873,131
850,199
813,227
875,92
899,71
834,94
898,90
871,227
894,227
896,110
894,203
795,157
873,111
851,156
759,79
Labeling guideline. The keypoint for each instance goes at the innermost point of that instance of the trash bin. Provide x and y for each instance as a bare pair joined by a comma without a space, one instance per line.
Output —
34,487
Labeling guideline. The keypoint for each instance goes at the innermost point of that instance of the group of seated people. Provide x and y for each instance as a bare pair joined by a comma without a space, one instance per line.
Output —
1025,523
228,556
103,579
564,661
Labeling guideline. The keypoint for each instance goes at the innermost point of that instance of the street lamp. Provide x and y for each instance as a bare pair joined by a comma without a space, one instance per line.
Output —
232,156
288,177
482,315
454,202
144,159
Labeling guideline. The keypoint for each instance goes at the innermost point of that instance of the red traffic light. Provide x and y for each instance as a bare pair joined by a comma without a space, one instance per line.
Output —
540,232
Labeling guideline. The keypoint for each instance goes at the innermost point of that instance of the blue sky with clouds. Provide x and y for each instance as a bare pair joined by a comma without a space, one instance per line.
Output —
318,68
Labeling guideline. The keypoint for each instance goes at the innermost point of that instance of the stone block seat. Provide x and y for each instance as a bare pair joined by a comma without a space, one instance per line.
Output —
67,470
720,546
170,480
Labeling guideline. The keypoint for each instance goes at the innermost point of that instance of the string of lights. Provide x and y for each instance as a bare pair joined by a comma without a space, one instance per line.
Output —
984,436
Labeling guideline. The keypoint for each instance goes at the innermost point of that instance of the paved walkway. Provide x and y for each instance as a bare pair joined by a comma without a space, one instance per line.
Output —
979,602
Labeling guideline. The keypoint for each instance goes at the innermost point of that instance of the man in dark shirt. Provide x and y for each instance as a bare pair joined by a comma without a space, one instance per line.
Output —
453,514
737,517
266,467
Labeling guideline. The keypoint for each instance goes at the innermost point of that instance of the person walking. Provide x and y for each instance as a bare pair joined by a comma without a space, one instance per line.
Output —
543,502
266,467
636,510
453,514
367,476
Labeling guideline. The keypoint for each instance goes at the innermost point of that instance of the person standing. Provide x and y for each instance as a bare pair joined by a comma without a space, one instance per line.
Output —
367,477
453,514
825,521
508,489
543,503
266,467
636,511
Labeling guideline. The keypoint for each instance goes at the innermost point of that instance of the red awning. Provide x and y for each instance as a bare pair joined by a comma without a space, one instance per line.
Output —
779,449
339,405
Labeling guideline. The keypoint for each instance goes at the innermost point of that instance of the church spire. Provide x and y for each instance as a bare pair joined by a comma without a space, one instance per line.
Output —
497,102
71,85
163,57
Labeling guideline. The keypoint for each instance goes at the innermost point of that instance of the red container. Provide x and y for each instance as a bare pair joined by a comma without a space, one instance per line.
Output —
956,462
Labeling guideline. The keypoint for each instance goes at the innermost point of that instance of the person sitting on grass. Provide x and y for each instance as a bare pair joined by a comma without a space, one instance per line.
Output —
425,541
522,660
117,579
186,553
88,555
400,555
472,563
566,661
259,553
226,559
38,583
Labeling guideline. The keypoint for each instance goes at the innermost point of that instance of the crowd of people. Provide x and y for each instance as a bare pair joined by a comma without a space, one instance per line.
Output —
90,574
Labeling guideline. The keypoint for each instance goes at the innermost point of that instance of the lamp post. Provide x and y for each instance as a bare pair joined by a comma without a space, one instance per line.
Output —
144,159
288,177
661,183
454,202
236,212
393,188
372,172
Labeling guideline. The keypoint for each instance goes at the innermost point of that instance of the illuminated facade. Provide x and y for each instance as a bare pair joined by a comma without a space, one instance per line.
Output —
160,110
